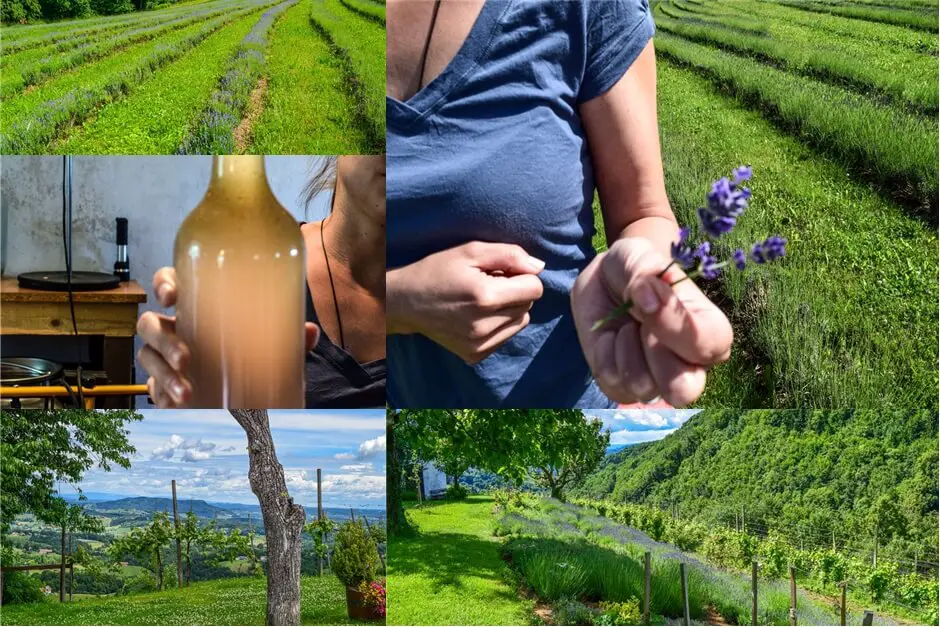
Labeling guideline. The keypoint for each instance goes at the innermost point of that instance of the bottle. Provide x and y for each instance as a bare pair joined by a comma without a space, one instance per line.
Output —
239,259
122,267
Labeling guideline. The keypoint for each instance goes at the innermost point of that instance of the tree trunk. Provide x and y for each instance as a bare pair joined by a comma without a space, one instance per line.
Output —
159,571
283,520
397,523
189,563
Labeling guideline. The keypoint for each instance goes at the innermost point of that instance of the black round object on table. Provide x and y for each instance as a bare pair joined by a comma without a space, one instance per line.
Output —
58,281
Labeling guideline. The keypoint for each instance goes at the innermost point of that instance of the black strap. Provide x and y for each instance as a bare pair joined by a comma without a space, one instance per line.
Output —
427,43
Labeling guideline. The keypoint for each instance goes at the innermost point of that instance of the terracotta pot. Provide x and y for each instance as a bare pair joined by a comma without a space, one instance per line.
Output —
356,606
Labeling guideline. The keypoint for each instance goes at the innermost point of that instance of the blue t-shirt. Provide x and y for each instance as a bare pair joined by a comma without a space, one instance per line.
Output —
493,150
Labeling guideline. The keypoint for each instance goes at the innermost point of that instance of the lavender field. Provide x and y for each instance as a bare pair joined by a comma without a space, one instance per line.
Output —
200,77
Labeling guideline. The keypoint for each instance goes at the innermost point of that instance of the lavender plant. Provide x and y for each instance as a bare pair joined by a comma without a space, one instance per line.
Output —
725,203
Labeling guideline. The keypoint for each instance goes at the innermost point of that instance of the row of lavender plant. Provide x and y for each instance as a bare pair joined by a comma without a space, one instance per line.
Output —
212,132
33,135
56,63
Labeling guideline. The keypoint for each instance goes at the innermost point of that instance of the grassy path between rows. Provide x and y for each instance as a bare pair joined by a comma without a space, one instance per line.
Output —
304,110
450,572
133,125
237,601
848,319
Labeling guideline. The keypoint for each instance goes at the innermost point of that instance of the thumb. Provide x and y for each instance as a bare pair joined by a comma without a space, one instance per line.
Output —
508,259
311,335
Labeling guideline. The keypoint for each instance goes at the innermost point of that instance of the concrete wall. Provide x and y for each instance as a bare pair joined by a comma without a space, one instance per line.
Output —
154,193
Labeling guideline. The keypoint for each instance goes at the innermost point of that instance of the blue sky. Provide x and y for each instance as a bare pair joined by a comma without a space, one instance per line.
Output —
205,451
632,426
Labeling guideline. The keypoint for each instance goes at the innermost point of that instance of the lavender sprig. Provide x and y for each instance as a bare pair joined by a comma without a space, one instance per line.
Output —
725,203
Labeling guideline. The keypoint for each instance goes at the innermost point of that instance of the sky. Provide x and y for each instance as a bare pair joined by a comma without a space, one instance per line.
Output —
206,452
632,426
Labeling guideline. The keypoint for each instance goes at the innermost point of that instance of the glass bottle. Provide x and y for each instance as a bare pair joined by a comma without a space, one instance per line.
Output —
239,259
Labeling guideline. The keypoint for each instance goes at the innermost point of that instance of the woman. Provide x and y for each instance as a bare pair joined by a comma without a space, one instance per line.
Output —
345,254
503,116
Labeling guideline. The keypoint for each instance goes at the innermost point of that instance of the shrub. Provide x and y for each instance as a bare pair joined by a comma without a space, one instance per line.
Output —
625,613
20,11
455,492
18,587
355,555
570,611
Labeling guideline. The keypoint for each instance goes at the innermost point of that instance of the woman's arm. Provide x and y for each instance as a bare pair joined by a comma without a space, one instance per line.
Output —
675,333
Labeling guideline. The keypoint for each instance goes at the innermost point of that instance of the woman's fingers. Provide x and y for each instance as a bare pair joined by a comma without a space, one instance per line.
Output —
638,383
683,319
164,286
165,379
497,338
159,332
678,382
311,335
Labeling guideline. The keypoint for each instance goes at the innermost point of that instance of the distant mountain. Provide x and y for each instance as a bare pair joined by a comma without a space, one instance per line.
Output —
92,497
151,504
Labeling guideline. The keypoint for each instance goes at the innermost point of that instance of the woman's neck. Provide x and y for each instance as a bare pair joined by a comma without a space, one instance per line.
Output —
357,242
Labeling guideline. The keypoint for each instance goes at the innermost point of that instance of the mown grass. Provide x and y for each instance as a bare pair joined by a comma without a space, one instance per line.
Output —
360,43
892,15
450,571
33,120
238,601
902,76
134,125
848,319
304,110
892,148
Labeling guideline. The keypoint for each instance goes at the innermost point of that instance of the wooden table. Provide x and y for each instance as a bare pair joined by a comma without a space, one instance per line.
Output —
108,314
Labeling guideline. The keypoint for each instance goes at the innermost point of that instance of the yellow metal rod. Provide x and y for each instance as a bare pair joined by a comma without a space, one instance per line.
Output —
55,391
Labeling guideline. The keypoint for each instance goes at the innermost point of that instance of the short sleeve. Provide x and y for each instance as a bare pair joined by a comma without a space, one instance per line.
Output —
617,31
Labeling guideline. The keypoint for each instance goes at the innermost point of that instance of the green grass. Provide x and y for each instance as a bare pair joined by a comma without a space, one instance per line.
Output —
903,76
304,110
362,43
450,572
239,601
892,15
134,125
367,8
848,319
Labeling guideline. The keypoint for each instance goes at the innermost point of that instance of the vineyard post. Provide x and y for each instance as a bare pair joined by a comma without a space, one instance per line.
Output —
743,524
352,513
868,618
754,592
842,605
62,567
686,617
874,555
647,572
319,516
792,595
369,529
179,548
71,579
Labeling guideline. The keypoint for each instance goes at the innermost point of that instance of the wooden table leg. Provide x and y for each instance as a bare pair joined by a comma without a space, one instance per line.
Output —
118,362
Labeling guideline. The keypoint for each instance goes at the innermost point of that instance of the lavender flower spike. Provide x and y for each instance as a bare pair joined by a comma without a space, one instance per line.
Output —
741,174
740,259
682,253
770,249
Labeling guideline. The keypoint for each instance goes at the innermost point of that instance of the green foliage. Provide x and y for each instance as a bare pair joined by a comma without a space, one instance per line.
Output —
146,544
624,613
19,587
40,449
355,554
570,611
320,529
111,7
455,492
20,11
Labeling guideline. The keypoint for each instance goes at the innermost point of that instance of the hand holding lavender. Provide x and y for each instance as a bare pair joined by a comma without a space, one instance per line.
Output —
725,203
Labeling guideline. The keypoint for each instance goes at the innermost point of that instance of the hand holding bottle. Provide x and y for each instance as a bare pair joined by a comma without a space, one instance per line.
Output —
165,356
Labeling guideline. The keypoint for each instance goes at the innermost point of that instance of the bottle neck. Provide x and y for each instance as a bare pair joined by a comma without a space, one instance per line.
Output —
239,178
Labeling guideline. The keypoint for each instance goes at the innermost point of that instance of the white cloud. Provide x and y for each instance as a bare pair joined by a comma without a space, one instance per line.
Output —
195,455
626,436
192,450
167,450
344,456
370,448
357,467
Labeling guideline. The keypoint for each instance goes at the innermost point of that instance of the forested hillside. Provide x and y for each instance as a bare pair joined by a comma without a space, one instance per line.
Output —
817,476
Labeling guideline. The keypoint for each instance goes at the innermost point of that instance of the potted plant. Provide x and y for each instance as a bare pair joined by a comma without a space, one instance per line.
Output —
355,560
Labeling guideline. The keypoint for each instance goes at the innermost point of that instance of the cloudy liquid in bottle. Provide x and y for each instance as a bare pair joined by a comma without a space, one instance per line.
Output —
239,259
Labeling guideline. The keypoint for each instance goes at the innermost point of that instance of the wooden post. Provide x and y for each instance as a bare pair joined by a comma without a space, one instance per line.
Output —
792,595
868,618
684,581
62,567
179,549
647,576
743,524
369,529
352,513
71,579
754,592
874,555
319,516
842,605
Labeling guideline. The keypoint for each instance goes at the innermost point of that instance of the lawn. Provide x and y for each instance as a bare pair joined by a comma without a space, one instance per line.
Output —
450,572
238,601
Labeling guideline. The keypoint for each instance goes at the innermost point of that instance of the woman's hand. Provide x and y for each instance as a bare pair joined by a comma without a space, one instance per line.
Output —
469,299
673,335
165,357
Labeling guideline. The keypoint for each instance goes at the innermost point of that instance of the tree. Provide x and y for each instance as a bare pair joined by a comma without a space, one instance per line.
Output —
569,449
319,530
283,519
189,532
40,448
146,543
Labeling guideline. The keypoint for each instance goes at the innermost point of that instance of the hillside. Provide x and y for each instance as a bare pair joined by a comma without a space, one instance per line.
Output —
238,601
810,473
150,504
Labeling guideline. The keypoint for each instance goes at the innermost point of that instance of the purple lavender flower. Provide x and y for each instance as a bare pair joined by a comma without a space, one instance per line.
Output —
709,266
769,250
715,225
726,201
740,259
682,253
741,174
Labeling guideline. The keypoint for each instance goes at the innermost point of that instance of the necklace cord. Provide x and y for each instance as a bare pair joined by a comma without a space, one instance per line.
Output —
427,43
329,272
